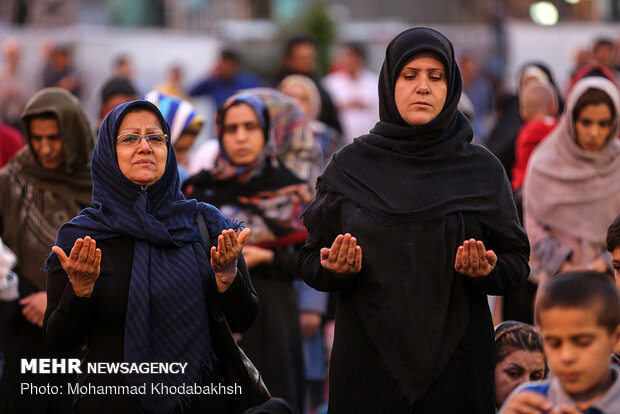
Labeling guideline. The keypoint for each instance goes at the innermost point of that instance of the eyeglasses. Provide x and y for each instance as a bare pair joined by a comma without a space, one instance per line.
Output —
130,140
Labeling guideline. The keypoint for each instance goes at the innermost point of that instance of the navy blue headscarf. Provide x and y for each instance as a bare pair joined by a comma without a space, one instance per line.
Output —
167,318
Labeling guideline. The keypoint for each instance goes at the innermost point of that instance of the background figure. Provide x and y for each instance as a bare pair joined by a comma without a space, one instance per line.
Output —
226,78
613,247
292,136
539,108
479,91
396,249
44,185
303,90
59,71
8,278
587,70
173,84
250,184
354,92
603,53
503,135
185,125
114,92
15,90
519,358
122,67
572,190
300,58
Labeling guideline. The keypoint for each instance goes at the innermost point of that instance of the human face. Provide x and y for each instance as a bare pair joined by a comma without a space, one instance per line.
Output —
242,136
516,368
302,59
46,143
615,262
300,95
578,349
421,89
144,163
183,145
593,127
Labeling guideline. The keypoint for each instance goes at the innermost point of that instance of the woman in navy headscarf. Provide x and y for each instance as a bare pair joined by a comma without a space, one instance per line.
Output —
140,292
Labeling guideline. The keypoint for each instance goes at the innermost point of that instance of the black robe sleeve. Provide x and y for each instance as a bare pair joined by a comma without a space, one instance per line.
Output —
240,303
324,209
67,316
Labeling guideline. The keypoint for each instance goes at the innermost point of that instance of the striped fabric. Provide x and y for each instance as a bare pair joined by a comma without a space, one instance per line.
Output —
178,113
167,317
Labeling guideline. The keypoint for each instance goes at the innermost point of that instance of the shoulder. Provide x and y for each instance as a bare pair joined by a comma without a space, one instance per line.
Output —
483,158
216,220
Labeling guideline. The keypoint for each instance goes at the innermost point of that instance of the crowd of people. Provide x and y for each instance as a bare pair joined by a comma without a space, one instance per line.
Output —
368,232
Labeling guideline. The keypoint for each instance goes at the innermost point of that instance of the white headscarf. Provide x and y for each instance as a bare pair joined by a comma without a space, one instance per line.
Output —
569,189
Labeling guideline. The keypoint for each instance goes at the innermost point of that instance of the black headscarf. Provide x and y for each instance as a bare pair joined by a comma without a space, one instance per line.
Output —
414,182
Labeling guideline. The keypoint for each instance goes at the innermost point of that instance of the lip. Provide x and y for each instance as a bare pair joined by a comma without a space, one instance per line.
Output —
569,376
144,162
421,104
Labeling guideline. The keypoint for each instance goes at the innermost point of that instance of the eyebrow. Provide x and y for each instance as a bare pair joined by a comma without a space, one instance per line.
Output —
419,69
156,129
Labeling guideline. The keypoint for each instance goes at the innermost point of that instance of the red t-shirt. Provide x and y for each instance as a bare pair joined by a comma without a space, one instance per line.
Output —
532,133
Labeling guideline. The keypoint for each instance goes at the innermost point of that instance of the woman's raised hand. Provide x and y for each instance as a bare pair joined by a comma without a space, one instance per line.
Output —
473,260
82,266
344,258
224,257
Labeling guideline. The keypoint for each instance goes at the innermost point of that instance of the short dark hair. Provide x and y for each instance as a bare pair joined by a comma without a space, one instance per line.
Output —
581,289
613,234
593,96
118,86
229,54
292,42
603,41
357,48
513,336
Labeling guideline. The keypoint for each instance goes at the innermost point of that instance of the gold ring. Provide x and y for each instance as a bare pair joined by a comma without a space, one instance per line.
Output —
351,263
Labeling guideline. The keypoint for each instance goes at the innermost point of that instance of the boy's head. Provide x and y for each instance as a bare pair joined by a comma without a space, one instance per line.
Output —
613,245
538,100
578,314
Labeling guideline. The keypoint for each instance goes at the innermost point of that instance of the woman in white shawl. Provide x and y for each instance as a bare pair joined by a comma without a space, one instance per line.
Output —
572,187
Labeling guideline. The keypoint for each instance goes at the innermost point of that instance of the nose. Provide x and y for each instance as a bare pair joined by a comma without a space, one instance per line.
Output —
241,134
567,354
46,147
144,146
422,85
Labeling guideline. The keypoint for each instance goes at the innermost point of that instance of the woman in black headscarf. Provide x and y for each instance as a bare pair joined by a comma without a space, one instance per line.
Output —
413,328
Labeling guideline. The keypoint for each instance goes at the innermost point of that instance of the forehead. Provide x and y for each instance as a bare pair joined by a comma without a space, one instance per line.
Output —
567,322
425,60
47,124
140,118
239,113
529,360
595,111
